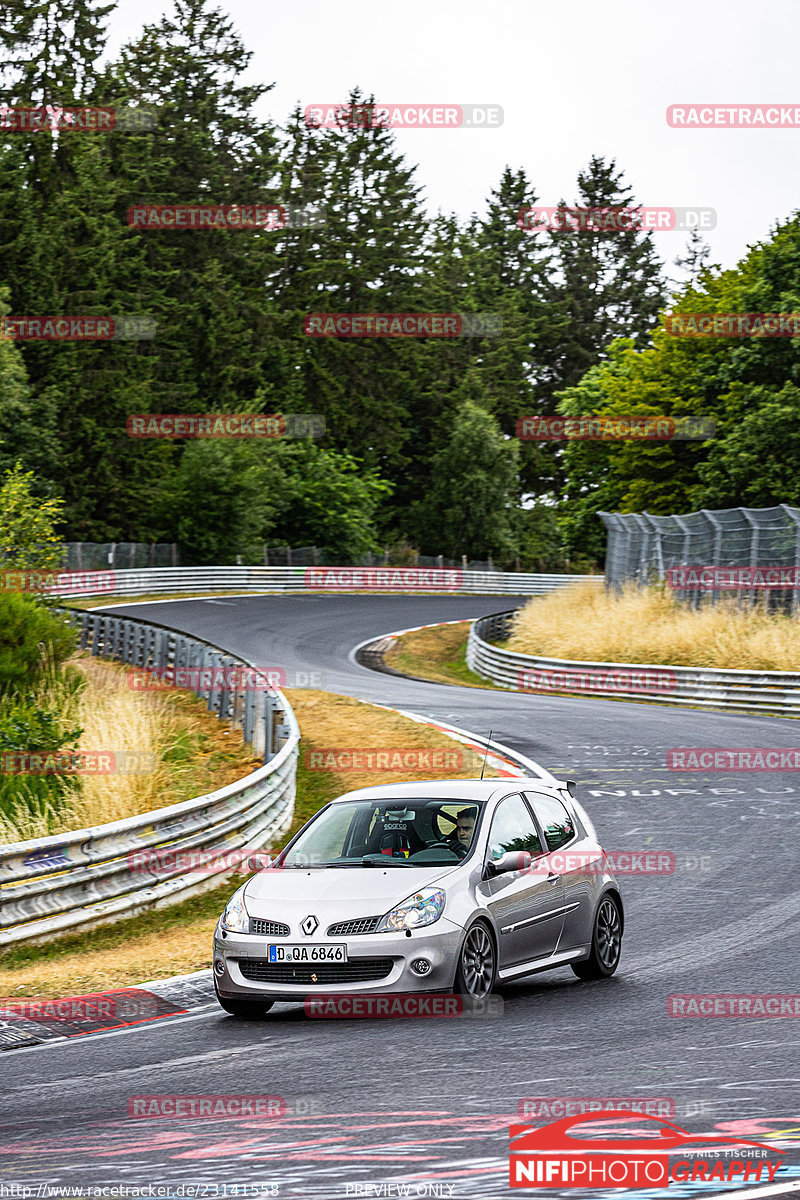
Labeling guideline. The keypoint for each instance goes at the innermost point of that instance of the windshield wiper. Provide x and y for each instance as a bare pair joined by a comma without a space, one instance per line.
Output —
304,866
385,861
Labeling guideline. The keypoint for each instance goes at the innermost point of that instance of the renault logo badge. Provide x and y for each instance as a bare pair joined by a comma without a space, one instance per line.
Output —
309,925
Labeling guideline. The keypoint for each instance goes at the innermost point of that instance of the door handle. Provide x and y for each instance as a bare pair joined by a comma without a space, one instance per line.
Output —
553,878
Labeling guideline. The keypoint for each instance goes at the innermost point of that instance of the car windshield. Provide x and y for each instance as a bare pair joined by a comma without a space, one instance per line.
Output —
396,833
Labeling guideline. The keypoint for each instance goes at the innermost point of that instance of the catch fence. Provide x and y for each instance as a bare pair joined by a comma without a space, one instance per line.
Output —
752,553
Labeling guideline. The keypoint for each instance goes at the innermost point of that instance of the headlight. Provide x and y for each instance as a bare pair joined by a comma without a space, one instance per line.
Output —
423,908
235,918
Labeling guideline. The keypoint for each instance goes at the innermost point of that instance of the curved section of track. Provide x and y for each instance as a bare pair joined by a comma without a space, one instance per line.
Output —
424,1103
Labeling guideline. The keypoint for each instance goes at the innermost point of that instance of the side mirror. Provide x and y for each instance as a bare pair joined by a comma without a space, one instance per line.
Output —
512,860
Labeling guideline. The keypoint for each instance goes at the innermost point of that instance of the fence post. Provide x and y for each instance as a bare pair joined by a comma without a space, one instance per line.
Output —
752,593
794,515
716,525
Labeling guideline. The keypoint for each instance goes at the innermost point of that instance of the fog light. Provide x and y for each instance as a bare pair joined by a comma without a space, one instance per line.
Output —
420,966
219,967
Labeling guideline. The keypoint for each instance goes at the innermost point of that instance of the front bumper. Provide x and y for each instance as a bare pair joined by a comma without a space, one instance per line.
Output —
438,943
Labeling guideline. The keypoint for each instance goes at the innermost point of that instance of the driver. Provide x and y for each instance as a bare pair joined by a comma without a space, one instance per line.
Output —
461,838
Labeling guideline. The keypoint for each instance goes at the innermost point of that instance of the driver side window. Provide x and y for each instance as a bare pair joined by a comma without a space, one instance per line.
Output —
513,829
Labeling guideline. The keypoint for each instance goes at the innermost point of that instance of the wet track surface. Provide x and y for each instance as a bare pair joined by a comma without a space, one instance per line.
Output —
428,1103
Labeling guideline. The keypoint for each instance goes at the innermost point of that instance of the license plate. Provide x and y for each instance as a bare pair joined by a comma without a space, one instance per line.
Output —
326,952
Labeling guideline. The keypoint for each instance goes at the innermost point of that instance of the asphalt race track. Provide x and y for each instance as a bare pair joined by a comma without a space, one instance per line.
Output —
427,1104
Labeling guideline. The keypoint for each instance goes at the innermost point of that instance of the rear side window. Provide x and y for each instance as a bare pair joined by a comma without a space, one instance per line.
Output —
513,829
558,825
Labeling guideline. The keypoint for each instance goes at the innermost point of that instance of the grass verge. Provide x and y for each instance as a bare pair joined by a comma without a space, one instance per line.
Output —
177,940
648,625
166,747
438,653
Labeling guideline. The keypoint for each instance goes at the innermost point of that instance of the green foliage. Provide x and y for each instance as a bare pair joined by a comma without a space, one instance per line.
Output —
420,445
334,500
757,461
33,640
232,498
26,727
747,386
27,523
469,508
543,546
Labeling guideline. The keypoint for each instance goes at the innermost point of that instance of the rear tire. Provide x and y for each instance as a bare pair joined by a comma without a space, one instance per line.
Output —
477,964
604,956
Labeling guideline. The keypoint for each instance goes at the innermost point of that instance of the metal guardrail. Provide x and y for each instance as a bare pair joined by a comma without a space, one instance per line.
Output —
775,693
321,579
75,880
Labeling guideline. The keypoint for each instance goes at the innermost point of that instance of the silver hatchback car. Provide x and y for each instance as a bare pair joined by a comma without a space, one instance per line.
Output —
423,887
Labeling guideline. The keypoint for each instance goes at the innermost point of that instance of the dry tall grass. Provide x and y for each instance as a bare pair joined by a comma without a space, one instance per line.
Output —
113,718
145,725
647,625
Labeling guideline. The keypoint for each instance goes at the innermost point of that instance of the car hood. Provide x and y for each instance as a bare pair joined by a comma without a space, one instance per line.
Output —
338,893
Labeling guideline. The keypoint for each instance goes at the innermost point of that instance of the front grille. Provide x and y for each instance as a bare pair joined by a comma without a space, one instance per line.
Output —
352,928
269,928
358,970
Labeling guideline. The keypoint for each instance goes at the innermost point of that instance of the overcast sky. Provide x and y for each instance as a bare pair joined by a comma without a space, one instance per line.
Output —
575,78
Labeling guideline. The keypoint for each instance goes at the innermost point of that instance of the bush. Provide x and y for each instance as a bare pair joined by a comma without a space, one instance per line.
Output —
31,638
26,727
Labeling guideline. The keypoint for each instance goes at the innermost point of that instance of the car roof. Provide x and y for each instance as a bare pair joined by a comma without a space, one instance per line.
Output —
444,789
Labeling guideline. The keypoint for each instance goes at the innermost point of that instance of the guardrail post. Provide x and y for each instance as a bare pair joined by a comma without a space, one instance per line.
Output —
262,731
248,715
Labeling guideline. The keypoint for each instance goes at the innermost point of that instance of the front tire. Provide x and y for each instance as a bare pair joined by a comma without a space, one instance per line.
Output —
604,956
477,964
246,1010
